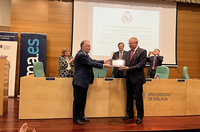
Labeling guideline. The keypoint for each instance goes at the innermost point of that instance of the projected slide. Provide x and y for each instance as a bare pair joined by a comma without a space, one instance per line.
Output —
106,23
112,25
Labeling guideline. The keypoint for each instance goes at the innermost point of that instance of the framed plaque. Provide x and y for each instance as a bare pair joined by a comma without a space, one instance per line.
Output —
118,63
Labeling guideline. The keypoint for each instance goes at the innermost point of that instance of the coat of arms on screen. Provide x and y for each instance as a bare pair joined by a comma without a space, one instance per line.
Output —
126,17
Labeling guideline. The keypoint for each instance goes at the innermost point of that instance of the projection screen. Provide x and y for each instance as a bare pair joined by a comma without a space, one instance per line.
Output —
106,23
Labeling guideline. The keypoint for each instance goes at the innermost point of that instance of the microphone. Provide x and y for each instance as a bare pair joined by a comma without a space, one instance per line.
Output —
179,73
48,73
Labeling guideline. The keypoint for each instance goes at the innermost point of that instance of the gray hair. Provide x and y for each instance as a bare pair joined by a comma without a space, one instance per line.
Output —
83,42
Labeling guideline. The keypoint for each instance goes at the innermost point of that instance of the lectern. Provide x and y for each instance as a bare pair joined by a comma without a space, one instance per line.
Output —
4,82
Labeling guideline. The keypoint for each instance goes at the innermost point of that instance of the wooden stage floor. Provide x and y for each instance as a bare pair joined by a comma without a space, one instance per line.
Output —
9,122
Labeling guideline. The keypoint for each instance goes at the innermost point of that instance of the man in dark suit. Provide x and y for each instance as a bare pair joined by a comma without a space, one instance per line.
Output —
121,54
155,60
82,77
135,78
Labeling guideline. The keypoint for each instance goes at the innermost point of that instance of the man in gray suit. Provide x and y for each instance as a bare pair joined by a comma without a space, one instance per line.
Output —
121,54
82,77
135,78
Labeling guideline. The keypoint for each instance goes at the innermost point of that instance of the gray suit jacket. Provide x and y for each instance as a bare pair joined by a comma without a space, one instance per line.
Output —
135,74
115,57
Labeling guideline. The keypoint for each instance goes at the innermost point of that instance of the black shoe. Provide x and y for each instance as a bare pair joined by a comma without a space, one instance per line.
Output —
127,117
79,122
85,119
138,121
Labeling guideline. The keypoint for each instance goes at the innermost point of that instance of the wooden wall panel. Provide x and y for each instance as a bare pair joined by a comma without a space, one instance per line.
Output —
29,10
192,21
188,32
52,68
58,34
188,45
5,29
60,12
50,17
55,19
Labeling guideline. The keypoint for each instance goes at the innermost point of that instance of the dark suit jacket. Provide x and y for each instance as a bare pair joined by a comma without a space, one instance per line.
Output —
159,60
83,69
116,56
135,74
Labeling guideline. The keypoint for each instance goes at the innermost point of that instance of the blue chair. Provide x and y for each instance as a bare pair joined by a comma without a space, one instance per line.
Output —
163,72
38,69
185,73
100,73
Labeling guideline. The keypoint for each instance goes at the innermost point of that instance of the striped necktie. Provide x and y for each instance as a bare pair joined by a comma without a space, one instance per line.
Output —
154,63
120,56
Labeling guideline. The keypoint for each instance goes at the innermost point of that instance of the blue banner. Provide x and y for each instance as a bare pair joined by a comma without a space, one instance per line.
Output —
32,49
8,36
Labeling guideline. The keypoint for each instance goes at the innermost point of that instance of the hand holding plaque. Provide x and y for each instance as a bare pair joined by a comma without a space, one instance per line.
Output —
118,63
107,63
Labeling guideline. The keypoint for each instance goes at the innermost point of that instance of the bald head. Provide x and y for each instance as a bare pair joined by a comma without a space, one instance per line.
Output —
156,51
133,43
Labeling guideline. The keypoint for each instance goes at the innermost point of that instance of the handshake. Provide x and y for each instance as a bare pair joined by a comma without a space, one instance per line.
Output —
107,63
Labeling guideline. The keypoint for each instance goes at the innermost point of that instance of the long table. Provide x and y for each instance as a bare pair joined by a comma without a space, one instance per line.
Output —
41,98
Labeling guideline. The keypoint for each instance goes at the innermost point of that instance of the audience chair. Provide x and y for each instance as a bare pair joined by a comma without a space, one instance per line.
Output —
185,72
100,73
163,72
38,69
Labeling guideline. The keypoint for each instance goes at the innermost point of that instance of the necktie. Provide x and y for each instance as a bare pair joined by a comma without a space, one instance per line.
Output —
120,56
154,63
131,55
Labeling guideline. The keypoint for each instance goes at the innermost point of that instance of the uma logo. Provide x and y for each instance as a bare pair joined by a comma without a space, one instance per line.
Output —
5,47
126,17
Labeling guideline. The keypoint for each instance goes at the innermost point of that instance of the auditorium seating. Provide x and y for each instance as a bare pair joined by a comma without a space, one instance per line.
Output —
100,73
185,72
163,72
38,69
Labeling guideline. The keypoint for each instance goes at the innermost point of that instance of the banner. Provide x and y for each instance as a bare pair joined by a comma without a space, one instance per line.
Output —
32,49
8,47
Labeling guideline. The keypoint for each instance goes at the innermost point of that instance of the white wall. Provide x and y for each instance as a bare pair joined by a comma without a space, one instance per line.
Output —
5,12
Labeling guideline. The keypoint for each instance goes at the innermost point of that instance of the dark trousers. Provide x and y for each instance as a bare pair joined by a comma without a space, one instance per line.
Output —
137,90
119,74
152,74
80,95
